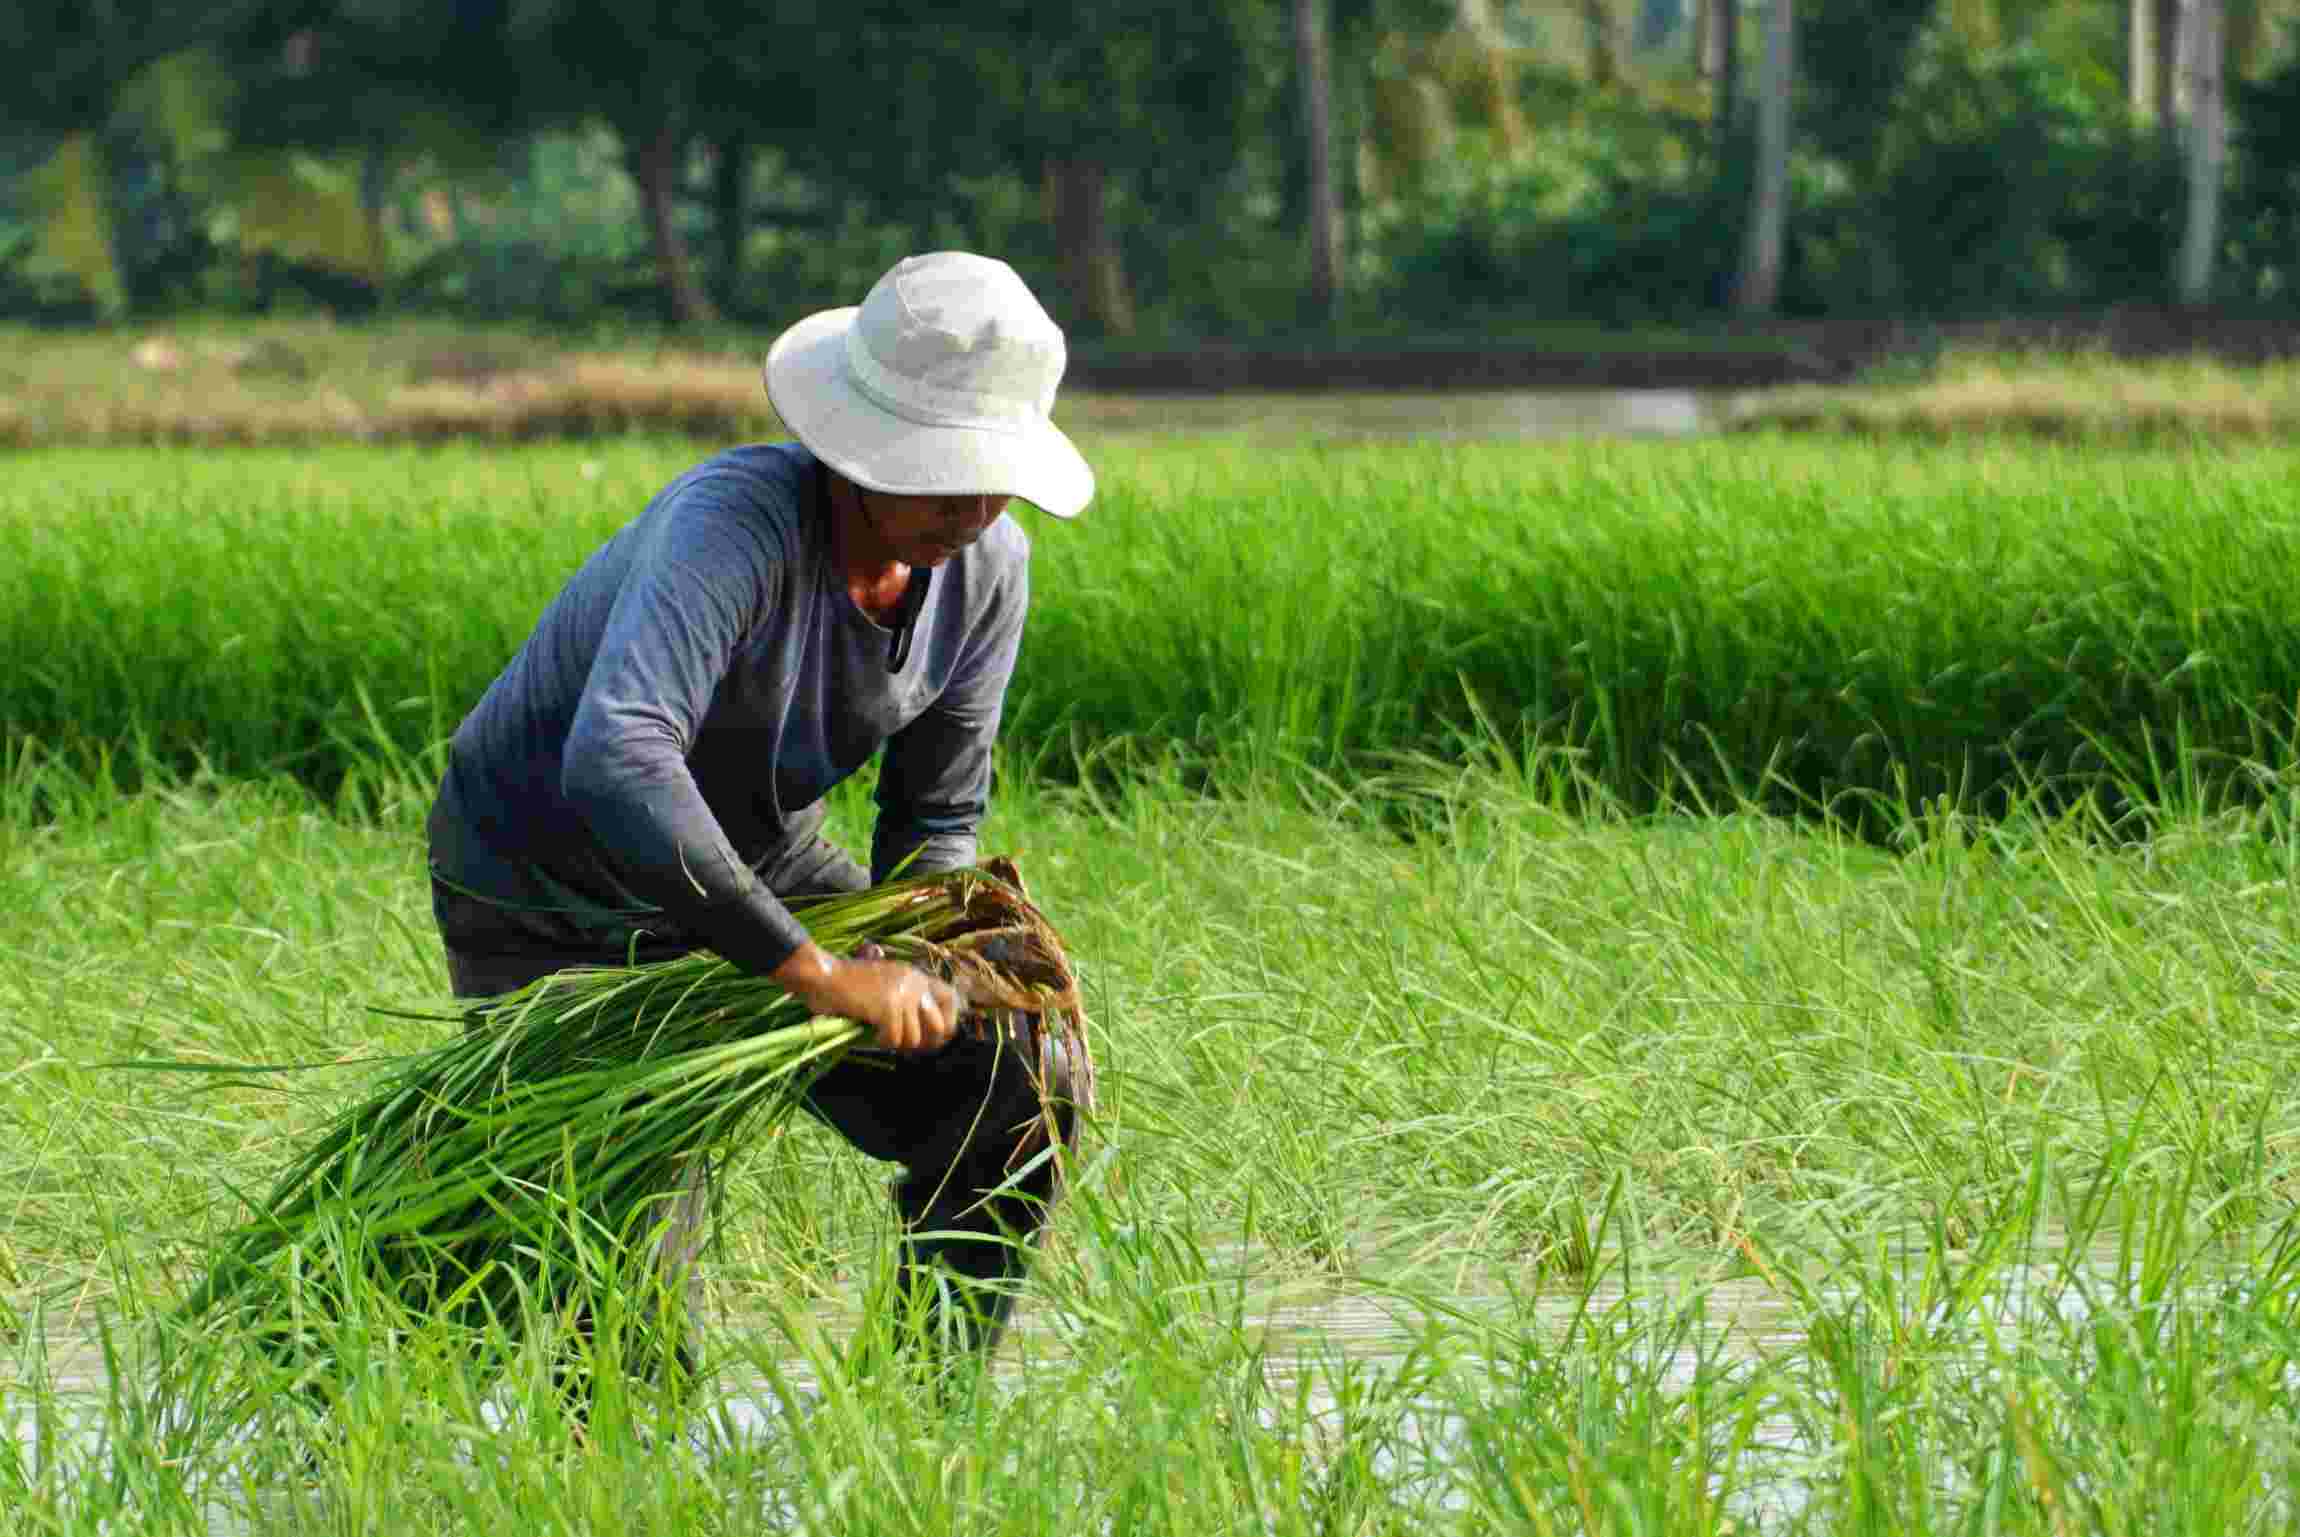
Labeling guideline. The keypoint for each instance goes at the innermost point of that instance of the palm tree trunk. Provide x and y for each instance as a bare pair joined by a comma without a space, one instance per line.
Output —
2138,15
1720,64
2165,38
1759,287
2203,59
1325,204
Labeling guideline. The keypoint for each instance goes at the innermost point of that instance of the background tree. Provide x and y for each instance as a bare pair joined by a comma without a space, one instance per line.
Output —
1759,286
1314,71
373,87
1447,91
2139,56
144,180
1149,165
73,58
657,74
2203,57
1720,63
1123,114
1601,38
2165,73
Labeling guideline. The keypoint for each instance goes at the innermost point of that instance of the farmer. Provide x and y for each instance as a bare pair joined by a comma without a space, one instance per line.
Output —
646,777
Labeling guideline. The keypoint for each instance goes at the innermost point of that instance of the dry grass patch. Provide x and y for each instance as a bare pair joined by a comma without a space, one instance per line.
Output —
2078,395
576,396
297,381
302,381
291,381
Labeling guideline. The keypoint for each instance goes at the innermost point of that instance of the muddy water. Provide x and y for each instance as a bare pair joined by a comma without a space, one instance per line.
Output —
1476,414
1302,1332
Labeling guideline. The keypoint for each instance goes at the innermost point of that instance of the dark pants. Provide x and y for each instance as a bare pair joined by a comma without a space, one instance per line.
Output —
960,1122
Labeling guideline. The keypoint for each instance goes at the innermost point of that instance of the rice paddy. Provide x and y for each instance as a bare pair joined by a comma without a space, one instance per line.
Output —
1809,625
1704,1169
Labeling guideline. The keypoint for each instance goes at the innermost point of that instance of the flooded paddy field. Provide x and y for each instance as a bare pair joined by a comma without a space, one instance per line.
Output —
2007,1395
1399,1220
1482,1147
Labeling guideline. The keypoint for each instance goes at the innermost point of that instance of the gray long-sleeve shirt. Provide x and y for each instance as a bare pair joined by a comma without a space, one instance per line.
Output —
696,688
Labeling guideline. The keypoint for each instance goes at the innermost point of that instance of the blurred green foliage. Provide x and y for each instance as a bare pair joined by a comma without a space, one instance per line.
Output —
495,158
1989,178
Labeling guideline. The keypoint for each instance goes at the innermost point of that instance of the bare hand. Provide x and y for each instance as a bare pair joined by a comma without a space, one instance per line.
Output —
903,1008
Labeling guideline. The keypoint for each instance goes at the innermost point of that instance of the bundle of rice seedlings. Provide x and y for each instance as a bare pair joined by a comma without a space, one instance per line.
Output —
537,1155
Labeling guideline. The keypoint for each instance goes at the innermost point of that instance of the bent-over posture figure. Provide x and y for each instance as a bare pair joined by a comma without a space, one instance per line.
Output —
646,776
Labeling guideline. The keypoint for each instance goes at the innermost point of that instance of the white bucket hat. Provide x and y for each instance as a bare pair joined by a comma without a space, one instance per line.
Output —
939,384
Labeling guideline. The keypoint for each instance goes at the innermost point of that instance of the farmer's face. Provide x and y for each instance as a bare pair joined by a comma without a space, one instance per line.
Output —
928,530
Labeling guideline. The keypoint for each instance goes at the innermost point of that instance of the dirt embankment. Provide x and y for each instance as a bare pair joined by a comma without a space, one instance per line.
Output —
2211,371
1739,356
1219,369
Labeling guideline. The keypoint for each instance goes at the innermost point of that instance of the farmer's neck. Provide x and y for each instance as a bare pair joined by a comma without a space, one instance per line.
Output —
875,576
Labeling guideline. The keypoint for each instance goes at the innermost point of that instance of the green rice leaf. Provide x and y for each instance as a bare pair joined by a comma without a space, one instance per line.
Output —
539,1149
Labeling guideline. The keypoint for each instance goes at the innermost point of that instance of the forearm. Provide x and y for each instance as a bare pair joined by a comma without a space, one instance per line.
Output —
756,931
932,793
647,815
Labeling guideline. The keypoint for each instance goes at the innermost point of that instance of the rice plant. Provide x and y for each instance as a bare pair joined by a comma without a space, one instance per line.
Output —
530,1158
1807,624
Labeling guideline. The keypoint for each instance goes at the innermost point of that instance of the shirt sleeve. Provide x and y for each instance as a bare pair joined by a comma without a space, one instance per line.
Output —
934,783
695,588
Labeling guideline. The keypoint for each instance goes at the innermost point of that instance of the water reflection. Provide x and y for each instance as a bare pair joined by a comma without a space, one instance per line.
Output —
1664,1331
1471,414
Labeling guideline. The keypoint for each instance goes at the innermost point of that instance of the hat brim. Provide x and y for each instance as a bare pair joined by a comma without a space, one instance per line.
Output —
808,385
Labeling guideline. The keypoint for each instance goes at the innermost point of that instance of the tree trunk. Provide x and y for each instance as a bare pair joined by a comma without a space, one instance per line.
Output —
1720,63
1325,202
2203,59
376,171
655,155
2138,15
1604,51
730,186
1092,267
1760,284
2164,37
